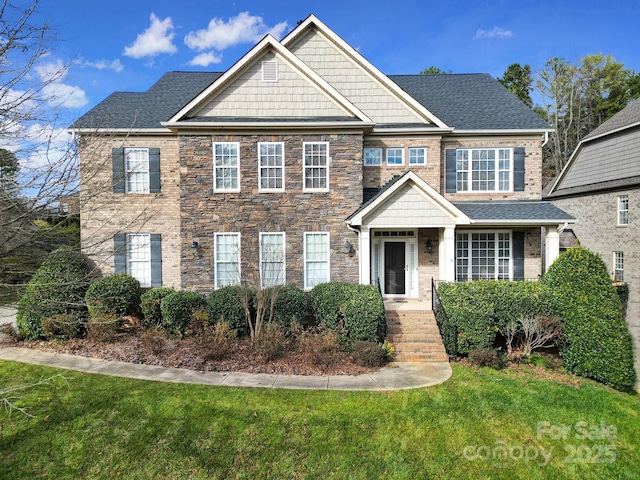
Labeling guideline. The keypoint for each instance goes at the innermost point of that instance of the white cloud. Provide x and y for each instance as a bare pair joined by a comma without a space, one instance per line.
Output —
495,32
243,28
156,39
205,59
114,65
55,92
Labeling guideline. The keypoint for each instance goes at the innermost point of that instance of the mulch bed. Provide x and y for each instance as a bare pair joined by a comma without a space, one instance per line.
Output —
187,353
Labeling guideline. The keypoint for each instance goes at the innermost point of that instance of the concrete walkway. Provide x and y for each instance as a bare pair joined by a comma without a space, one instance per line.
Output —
395,376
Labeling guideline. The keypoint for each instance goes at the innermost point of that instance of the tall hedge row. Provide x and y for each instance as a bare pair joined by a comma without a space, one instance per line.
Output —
355,312
596,343
482,308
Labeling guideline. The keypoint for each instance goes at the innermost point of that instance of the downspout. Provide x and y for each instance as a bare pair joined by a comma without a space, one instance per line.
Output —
545,139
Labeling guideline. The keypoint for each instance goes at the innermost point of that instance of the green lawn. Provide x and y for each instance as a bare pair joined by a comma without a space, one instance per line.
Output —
94,426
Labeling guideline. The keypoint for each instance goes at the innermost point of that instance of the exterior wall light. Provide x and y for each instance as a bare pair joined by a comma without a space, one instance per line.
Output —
429,246
348,248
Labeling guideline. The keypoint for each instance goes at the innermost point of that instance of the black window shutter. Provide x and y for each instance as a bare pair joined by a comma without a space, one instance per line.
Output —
154,170
120,253
517,240
117,166
518,169
450,170
156,260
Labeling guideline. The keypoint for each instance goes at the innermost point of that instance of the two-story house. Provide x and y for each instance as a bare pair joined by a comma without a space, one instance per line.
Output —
303,163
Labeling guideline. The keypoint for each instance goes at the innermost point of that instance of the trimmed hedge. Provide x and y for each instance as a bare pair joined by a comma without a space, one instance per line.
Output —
353,311
114,294
178,308
482,308
150,305
290,308
57,288
596,342
226,304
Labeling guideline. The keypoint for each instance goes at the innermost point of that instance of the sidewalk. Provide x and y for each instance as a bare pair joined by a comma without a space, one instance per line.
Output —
395,376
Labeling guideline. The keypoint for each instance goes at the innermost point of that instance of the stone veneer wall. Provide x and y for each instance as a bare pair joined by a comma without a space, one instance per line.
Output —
104,213
205,212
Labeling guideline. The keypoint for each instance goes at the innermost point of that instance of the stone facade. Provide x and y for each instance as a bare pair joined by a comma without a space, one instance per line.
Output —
249,212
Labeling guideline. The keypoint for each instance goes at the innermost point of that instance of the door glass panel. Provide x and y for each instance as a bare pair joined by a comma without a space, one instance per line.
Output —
394,263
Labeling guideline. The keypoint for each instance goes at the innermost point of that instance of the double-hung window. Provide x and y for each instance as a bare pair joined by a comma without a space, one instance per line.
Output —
618,266
372,157
623,210
483,255
137,170
138,258
226,167
395,156
484,170
316,258
272,259
271,170
316,165
417,156
227,259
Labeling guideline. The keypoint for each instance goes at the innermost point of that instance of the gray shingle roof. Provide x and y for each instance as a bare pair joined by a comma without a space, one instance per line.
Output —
627,116
467,101
513,211
147,109
470,101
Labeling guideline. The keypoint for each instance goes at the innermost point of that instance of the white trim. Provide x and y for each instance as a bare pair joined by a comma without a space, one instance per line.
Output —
368,67
411,277
497,131
304,257
305,166
146,243
496,170
215,257
284,258
424,149
260,167
386,157
364,156
338,126
146,185
215,168
618,260
270,71
268,42
620,210
496,249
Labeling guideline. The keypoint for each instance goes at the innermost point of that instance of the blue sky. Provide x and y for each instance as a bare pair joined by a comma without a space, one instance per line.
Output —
127,45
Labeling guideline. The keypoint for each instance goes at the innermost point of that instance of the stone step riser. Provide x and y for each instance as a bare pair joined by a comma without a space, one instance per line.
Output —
412,330
415,336
424,358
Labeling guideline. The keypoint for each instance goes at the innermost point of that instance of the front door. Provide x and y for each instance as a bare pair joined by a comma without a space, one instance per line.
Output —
394,268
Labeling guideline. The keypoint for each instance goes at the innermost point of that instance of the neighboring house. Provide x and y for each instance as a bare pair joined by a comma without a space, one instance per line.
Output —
305,160
600,187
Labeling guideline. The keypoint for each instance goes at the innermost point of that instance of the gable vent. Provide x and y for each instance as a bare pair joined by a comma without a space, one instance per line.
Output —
270,71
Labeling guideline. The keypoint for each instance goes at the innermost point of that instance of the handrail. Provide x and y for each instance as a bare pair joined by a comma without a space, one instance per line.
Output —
448,330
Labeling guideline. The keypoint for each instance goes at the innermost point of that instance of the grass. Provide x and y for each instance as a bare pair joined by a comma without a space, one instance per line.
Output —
93,426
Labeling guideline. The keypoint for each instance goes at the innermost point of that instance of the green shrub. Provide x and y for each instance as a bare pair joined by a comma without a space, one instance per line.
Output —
178,308
150,305
58,287
353,311
226,304
114,294
105,327
481,309
290,308
486,357
596,341
368,354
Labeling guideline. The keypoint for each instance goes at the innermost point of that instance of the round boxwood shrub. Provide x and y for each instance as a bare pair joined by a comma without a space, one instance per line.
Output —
58,287
114,294
150,305
178,308
596,341
290,308
353,311
226,304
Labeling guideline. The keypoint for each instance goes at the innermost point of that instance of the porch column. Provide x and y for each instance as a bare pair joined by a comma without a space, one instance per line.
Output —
447,254
365,256
552,246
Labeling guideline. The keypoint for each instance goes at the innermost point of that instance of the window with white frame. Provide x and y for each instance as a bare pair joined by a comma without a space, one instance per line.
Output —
417,156
139,257
483,255
372,157
316,258
618,266
316,165
484,169
136,164
272,259
226,170
623,209
271,160
227,259
395,156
